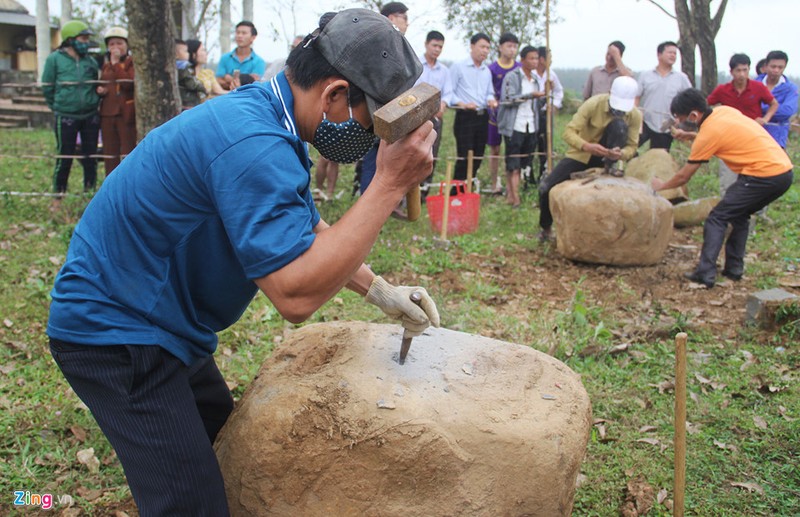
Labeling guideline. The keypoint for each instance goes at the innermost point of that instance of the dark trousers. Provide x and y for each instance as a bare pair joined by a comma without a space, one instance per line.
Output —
541,143
67,130
657,140
437,126
119,137
519,147
471,130
744,198
160,416
615,135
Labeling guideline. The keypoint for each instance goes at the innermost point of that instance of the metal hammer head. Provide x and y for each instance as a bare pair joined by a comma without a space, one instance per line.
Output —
407,112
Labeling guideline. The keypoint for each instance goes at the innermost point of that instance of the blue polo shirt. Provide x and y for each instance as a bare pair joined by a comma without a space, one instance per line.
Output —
167,251
229,62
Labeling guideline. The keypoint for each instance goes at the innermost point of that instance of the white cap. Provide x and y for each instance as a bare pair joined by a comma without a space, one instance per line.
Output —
623,93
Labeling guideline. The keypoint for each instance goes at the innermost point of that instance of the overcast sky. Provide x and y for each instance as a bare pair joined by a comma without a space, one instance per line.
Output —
587,26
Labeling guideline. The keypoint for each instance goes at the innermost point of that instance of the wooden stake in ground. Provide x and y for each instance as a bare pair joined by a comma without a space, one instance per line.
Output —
446,207
680,424
470,164
548,90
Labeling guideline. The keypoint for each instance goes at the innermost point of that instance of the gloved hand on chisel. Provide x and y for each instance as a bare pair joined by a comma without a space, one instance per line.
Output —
395,302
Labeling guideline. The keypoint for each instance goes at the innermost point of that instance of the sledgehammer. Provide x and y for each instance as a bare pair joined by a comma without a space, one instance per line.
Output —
401,116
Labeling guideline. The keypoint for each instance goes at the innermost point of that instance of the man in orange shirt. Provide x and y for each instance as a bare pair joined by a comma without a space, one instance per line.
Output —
763,168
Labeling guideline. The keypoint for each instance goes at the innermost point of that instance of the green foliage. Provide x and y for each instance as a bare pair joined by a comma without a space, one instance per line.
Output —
100,14
525,18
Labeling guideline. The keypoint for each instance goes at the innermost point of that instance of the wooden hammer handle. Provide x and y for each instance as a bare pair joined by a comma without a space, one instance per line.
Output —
413,203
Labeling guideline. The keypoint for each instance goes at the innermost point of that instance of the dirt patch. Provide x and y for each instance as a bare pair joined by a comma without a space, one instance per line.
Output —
647,301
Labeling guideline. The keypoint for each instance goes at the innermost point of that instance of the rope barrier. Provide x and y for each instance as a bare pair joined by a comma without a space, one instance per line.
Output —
104,156
68,83
63,156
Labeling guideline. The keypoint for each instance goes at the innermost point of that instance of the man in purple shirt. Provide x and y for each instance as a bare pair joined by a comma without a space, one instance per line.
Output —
506,62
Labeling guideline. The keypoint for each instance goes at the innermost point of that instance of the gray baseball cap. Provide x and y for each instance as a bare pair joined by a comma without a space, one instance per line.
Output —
369,51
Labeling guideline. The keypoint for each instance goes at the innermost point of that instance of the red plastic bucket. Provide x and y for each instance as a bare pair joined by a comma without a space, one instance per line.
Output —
464,210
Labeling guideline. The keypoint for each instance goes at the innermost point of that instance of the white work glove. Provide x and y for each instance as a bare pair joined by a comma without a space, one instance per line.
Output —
395,302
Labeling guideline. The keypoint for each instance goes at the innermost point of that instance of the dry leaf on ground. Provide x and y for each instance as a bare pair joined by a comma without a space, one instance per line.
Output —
760,422
750,487
639,498
87,457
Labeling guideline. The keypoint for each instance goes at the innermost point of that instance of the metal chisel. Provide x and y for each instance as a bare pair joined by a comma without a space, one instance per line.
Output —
406,344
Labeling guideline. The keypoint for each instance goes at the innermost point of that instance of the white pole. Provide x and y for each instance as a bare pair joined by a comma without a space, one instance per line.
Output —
225,26
42,35
66,11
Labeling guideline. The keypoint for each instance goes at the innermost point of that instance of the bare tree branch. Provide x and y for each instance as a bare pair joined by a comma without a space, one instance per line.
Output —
716,22
663,9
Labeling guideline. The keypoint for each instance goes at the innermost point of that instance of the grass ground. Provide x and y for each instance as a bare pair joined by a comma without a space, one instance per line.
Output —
744,409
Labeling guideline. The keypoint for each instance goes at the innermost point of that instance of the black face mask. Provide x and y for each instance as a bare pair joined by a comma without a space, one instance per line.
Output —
343,142
688,125
81,47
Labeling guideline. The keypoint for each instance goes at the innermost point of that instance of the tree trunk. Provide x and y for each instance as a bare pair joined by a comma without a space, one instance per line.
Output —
705,35
247,10
686,42
225,26
66,11
42,35
153,44
188,30
708,58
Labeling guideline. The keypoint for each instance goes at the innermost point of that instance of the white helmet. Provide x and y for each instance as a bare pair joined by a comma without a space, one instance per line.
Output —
116,32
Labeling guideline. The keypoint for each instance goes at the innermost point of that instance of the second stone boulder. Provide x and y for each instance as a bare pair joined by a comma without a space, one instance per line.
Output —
615,221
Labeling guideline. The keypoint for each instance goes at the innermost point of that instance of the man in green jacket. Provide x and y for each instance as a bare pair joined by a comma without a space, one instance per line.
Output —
69,92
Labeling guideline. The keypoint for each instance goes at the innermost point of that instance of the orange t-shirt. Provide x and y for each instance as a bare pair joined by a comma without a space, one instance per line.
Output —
742,143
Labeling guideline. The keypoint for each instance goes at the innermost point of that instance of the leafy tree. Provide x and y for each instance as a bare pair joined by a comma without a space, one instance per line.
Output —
100,14
525,18
283,22
697,28
198,18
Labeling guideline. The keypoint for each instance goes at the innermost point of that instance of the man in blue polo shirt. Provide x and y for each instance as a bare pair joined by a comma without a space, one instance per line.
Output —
210,208
243,58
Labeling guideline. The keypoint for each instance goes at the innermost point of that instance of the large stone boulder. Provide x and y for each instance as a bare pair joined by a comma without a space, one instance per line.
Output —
660,164
608,220
693,213
333,425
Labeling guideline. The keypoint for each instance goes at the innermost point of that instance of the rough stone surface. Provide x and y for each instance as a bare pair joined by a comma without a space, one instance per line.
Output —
693,213
333,425
615,221
762,307
658,163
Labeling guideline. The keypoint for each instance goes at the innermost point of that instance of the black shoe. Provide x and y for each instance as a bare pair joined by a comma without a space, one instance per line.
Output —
731,276
546,235
694,277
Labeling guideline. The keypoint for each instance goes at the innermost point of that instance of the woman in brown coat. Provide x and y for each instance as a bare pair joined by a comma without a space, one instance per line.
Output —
117,113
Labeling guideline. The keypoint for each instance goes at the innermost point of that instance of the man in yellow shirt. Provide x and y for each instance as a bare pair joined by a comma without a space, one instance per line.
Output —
764,174
604,130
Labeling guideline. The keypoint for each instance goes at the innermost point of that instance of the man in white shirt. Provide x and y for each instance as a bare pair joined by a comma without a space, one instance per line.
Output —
657,88
517,119
438,75
557,95
472,94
